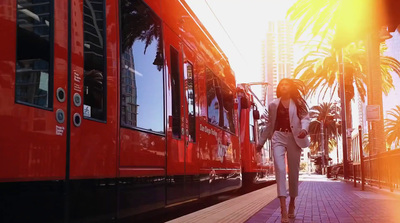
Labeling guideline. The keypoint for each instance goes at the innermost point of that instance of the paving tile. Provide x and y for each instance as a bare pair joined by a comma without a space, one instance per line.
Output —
339,202
272,219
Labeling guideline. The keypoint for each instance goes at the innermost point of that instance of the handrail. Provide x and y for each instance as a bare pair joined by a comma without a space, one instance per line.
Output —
381,170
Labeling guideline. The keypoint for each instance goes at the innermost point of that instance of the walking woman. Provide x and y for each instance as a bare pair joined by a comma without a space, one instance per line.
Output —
287,127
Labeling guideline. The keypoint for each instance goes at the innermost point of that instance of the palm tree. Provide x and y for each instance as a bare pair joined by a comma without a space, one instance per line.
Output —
319,15
325,113
319,71
365,143
392,127
333,143
344,19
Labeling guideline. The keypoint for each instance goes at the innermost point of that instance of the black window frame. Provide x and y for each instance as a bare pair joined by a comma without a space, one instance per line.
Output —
104,120
219,94
224,86
51,62
175,93
252,124
121,55
191,121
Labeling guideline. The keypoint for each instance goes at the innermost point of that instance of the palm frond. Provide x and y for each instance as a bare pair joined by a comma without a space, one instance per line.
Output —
392,126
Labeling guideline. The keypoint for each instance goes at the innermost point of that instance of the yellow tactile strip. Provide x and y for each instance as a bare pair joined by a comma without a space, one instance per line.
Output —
238,209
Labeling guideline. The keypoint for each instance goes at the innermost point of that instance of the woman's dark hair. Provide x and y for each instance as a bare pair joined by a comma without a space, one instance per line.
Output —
297,90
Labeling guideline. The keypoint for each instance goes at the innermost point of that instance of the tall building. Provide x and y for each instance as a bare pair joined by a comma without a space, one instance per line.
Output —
278,55
129,106
358,108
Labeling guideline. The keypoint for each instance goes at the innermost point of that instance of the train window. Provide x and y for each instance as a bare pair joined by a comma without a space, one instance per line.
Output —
189,79
176,96
142,82
228,102
251,125
220,102
34,77
214,98
94,60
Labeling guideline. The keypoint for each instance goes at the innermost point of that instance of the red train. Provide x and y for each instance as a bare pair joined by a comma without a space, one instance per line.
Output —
257,167
113,108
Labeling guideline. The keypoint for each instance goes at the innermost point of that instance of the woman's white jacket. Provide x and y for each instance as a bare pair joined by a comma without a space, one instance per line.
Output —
296,124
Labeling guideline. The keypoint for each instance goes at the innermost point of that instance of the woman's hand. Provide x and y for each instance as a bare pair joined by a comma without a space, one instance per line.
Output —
302,134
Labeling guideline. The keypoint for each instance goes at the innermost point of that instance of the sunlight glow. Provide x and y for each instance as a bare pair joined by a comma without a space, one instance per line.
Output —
246,24
353,16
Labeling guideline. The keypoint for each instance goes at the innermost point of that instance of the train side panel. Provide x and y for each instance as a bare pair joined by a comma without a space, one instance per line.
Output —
257,165
32,141
111,109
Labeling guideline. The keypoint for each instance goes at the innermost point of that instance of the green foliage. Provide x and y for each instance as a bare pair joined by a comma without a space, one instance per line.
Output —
392,126
333,141
343,19
337,26
303,166
319,70
317,15
365,143
326,113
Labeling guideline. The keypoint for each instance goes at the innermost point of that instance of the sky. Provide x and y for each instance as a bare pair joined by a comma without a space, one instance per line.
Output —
239,26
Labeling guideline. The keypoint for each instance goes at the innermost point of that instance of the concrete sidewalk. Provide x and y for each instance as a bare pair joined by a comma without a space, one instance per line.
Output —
323,200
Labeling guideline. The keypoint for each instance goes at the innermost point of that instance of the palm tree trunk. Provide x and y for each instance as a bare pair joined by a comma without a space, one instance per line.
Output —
326,146
377,136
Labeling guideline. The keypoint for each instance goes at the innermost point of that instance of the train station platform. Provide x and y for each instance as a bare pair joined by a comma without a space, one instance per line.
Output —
320,200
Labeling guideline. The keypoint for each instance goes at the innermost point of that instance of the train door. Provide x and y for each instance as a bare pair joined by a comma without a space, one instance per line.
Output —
33,102
142,160
33,109
191,180
178,120
58,101
92,100
93,89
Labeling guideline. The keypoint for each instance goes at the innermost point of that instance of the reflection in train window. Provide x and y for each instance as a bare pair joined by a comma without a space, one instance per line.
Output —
228,100
214,99
220,102
251,124
94,60
176,96
34,76
190,98
142,82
